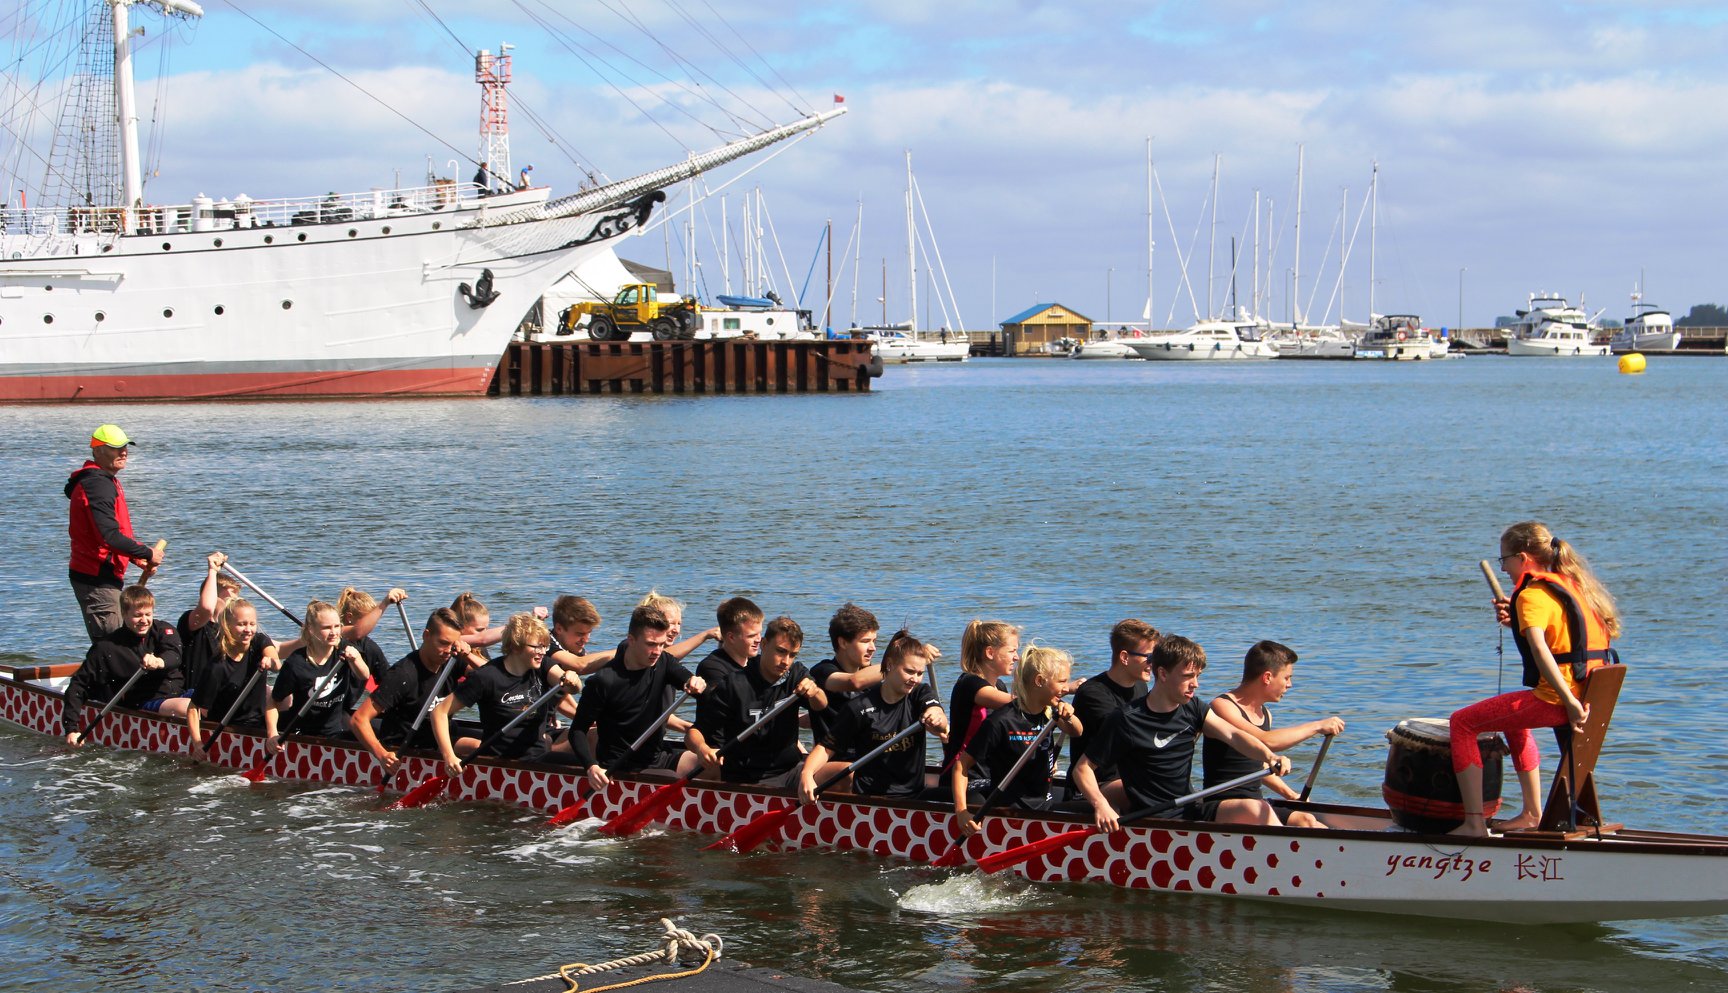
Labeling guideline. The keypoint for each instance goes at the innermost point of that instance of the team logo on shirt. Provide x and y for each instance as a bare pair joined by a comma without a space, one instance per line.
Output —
1164,740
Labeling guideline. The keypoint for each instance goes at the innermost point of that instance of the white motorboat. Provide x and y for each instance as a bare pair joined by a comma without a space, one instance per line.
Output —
764,317
1206,341
1552,327
1649,329
900,345
1398,337
383,292
1108,348
1314,343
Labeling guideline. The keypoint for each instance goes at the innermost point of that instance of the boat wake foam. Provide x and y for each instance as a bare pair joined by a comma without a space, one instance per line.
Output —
968,894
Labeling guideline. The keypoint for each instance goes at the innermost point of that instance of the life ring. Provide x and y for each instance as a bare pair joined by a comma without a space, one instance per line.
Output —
1400,336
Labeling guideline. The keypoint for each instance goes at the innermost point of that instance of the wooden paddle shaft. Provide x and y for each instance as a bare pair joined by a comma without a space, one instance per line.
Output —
1493,580
148,569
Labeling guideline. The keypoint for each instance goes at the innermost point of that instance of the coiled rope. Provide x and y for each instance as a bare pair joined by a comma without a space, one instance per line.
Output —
681,945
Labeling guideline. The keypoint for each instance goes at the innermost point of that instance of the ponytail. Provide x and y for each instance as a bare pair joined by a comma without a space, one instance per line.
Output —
980,635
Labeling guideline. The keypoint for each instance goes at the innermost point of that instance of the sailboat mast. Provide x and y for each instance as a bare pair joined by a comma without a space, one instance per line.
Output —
1151,245
725,248
857,259
1373,232
1212,240
1254,292
1343,231
828,300
1296,267
911,252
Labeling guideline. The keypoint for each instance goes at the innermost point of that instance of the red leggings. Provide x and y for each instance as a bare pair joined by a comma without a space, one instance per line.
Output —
1512,713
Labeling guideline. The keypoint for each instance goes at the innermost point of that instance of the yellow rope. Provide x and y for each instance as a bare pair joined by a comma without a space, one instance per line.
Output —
676,938
564,974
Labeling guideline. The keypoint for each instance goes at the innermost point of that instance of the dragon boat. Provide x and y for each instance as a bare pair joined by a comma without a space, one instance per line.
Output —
1605,872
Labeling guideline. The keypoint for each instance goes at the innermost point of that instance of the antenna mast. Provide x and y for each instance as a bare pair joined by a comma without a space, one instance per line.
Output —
492,72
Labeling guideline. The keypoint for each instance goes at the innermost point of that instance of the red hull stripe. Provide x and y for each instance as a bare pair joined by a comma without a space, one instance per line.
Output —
107,388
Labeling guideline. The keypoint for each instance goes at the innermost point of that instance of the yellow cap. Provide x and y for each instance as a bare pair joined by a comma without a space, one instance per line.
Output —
110,435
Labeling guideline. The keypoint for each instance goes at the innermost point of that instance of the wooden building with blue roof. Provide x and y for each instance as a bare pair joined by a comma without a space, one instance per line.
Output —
1035,329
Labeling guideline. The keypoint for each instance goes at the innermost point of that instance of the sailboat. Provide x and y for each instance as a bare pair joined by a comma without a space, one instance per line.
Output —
407,291
902,343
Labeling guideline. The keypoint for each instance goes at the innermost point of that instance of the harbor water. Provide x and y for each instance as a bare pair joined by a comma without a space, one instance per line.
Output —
1340,508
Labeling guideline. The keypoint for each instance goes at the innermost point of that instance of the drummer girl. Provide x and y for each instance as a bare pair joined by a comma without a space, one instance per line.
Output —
1556,602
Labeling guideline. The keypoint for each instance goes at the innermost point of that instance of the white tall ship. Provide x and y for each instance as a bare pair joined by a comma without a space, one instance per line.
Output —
1551,326
387,292
1206,341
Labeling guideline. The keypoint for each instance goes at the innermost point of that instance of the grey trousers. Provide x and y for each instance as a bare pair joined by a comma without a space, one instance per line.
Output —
100,606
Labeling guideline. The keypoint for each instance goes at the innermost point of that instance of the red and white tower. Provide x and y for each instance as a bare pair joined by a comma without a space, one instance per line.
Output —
492,72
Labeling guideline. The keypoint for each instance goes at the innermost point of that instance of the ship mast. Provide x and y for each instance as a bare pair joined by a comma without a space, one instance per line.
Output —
126,100
911,253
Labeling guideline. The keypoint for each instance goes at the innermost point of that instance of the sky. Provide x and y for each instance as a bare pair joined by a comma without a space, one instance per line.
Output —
1570,148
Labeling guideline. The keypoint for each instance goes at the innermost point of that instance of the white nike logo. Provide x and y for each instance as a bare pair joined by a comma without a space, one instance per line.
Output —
1161,742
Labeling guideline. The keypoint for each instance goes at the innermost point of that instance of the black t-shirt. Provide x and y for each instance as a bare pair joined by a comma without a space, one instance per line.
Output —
622,702
400,696
197,648
1153,751
964,714
999,743
377,663
224,678
822,721
717,667
726,710
1095,702
866,721
500,695
337,694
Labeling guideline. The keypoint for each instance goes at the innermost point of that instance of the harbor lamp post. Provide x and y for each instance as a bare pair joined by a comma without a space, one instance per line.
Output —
1461,271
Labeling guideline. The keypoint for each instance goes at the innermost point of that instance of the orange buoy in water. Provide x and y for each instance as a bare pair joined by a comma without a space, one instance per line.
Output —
1631,364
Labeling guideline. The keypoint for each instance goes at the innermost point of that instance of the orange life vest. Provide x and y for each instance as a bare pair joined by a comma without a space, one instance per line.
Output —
1587,635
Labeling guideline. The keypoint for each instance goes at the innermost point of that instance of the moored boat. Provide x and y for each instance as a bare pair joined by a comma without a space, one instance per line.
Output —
1534,877
1649,329
1398,337
1550,326
386,292
1206,341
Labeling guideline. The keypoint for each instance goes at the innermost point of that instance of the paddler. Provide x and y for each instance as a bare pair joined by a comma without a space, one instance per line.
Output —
1099,698
900,699
101,531
501,692
403,691
771,756
197,627
141,643
997,746
1152,743
622,701
311,695
849,672
1268,670
240,651
1562,619
740,622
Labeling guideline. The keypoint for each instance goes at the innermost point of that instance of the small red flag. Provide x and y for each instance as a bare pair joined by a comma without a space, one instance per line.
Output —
839,99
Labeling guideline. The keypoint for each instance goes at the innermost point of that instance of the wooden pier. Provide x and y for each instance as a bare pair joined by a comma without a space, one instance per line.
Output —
726,365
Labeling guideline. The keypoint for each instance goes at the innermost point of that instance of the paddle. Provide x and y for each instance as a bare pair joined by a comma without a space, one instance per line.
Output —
233,708
90,728
1314,773
952,856
256,773
1493,580
254,587
1031,850
384,776
148,569
759,828
574,811
433,788
407,629
635,817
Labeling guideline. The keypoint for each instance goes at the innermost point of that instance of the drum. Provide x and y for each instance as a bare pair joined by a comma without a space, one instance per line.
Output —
1421,789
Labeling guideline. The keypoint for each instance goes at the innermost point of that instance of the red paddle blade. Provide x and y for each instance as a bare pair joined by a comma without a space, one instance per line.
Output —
756,830
953,856
256,773
569,814
635,818
421,795
1031,850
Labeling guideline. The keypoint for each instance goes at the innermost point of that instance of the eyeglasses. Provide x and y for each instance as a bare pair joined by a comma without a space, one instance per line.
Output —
537,649
1138,655
1514,555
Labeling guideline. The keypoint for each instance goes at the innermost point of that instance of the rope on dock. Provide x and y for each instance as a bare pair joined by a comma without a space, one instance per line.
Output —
681,947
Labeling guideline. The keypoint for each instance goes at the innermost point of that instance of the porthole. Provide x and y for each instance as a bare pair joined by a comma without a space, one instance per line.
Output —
269,239
301,237
49,288
47,318
100,317
437,225
218,242
386,229
287,304
167,311
352,232
220,310
166,246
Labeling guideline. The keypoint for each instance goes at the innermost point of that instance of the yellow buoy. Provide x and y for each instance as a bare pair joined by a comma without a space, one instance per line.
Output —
1632,364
